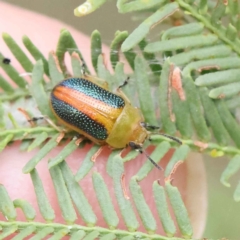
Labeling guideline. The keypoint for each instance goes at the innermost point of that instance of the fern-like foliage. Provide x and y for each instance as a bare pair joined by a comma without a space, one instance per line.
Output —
194,84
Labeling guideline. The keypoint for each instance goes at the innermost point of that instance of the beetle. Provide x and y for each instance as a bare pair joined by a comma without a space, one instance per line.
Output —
86,106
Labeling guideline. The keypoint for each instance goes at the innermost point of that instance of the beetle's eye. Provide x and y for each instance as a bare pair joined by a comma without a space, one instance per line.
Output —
134,146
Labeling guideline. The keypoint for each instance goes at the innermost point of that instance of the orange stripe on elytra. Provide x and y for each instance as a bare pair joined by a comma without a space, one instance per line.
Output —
95,109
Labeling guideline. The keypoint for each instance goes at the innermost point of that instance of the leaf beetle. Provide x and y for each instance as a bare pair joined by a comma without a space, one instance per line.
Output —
86,106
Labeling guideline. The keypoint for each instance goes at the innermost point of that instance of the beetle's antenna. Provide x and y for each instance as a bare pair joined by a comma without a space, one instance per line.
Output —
150,127
148,157
137,147
35,119
172,138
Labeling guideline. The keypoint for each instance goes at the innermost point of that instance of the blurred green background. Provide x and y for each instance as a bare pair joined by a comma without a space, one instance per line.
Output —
223,214
106,19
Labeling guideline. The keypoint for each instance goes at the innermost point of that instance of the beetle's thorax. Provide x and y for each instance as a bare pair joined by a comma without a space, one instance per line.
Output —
127,128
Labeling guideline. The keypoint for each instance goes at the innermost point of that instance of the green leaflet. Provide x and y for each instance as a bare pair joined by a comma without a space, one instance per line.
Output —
43,202
163,211
6,205
27,209
142,30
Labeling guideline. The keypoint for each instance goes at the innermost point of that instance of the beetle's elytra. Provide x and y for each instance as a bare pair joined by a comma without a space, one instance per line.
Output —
90,109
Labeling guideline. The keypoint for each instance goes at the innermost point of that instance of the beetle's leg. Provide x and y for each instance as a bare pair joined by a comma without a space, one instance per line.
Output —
83,68
100,82
138,147
124,83
121,93
49,121
28,117
34,119
62,132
